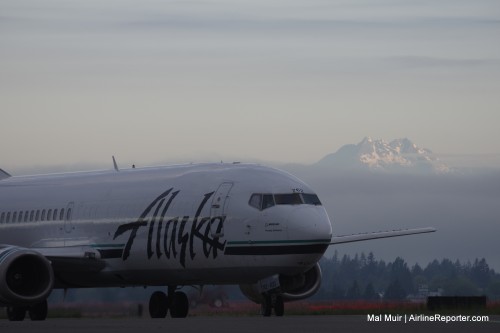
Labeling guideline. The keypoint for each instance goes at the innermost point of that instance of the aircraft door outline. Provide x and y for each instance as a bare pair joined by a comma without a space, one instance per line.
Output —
218,208
68,216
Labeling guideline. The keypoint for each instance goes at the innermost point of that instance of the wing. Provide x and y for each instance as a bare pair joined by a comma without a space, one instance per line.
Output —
377,235
73,259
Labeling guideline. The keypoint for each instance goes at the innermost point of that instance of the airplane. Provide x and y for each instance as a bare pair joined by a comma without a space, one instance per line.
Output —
170,226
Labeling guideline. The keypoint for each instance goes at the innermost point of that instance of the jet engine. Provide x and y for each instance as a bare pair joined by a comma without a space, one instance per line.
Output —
292,288
26,276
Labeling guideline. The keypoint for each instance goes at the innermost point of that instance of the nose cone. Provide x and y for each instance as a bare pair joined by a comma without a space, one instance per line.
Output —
309,223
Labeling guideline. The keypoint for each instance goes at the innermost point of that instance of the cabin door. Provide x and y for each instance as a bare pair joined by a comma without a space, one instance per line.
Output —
218,209
68,216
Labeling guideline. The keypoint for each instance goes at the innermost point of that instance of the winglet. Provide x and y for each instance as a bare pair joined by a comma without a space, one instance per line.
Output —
115,165
4,175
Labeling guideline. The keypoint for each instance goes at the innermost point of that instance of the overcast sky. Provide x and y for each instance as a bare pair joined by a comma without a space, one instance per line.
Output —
288,81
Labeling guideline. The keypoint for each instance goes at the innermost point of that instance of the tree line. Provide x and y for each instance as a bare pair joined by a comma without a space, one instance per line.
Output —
365,277
361,277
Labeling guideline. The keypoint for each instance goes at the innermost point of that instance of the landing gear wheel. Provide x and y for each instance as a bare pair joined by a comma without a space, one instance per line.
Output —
16,313
38,311
179,307
279,306
266,306
158,305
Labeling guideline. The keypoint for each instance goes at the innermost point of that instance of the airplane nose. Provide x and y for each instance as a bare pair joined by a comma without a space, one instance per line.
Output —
309,223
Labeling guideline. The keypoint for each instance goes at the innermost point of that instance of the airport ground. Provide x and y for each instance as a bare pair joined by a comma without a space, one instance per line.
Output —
212,324
242,317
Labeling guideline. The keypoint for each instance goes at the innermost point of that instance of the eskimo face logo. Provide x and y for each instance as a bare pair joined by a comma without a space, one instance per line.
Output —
175,237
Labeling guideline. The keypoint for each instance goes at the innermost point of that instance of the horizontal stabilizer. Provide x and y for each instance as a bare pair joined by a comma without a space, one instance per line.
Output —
377,235
4,174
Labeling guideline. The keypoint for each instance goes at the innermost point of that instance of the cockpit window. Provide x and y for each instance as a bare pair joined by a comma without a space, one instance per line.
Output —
288,199
262,201
267,201
256,201
311,199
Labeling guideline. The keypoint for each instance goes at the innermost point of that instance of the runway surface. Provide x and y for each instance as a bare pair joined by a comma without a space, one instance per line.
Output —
290,324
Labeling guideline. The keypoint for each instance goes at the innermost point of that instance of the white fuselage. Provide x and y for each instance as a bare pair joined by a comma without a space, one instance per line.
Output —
177,225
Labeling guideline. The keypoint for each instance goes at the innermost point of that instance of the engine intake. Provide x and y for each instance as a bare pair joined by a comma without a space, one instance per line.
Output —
26,276
301,286
292,288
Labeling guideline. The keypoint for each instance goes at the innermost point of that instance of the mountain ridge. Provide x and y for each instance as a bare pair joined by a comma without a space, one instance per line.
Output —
377,155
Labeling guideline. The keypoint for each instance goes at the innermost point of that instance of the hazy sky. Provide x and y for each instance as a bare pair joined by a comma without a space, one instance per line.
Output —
289,81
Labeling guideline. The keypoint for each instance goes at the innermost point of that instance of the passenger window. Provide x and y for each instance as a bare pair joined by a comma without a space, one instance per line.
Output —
32,215
14,217
61,215
55,215
8,217
49,215
68,214
256,201
2,218
20,217
37,216
43,215
26,215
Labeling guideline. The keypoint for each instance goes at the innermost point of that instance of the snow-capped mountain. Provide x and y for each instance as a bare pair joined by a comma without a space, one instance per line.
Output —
400,155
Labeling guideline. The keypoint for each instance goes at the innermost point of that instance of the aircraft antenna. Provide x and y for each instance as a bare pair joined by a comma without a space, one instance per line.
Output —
115,164
4,174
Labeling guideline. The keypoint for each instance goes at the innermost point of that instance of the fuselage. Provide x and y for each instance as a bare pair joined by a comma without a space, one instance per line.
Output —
176,225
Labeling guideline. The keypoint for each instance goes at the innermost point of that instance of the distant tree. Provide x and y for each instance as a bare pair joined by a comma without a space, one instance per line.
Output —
460,287
343,277
458,266
370,293
395,291
353,292
480,273
371,259
371,272
401,273
432,269
362,260
448,269
416,270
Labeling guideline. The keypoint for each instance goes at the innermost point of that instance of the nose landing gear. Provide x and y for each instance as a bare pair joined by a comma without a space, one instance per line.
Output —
176,301
272,301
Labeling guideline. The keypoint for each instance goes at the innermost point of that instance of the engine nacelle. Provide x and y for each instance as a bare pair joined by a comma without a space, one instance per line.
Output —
26,276
292,288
